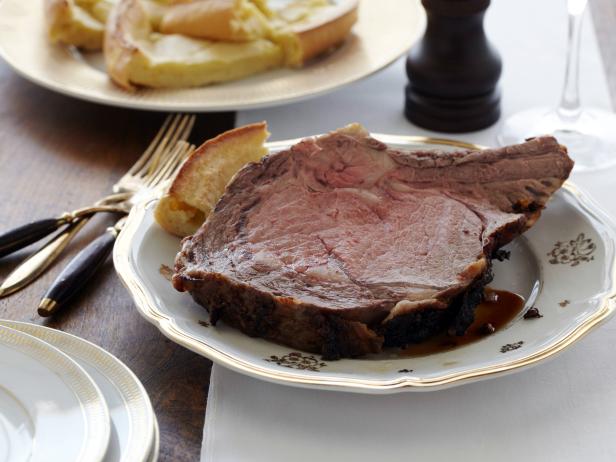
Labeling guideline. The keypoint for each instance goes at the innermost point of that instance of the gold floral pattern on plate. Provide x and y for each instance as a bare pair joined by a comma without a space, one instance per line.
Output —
297,360
573,252
511,346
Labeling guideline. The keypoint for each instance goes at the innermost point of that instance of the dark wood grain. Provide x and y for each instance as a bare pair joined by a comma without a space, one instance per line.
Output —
56,154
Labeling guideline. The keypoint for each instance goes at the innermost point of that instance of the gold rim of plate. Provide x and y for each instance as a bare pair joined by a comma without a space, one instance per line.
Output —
369,48
148,309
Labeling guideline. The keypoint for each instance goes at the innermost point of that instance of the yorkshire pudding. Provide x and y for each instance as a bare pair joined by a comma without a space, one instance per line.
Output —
136,54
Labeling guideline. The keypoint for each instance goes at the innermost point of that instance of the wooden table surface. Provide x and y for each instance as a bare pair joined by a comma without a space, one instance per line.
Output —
58,154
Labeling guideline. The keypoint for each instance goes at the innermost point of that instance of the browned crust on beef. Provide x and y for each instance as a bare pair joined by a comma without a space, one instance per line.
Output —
280,319
311,328
356,332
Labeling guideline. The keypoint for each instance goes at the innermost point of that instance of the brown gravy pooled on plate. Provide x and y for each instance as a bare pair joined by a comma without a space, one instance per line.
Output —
497,313
166,272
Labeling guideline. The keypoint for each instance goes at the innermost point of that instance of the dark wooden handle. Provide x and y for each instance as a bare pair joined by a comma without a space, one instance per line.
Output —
78,272
25,235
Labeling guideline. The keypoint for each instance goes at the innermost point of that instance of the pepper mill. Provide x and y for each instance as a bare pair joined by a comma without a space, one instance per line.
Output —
453,71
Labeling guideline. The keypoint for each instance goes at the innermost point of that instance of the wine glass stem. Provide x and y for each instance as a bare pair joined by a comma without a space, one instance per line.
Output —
569,109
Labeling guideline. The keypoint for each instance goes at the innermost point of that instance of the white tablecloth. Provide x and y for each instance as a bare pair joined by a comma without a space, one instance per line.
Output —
563,410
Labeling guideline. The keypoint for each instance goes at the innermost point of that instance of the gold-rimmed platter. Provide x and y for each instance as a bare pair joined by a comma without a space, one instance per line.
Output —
564,266
383,33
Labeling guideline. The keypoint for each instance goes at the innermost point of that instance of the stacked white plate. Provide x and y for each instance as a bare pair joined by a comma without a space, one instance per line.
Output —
63,399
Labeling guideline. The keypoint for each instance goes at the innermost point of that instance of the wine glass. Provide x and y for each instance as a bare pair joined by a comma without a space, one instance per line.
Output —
589,133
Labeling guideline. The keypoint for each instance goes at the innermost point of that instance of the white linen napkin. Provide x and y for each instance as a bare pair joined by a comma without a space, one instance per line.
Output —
564,410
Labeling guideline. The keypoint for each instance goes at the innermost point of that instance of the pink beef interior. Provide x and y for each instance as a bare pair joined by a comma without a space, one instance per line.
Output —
345,225
357,239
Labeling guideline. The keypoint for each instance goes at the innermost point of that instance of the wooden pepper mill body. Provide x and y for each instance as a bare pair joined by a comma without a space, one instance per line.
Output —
453,71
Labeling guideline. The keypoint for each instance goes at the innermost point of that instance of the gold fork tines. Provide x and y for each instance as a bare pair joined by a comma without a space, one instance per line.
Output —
86,263
170,167
158,162
175,128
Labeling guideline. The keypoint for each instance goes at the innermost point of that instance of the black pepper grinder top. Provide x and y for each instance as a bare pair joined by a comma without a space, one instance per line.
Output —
453,70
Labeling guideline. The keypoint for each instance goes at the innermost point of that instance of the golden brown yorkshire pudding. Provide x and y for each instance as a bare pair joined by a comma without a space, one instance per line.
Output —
77,22
205,174
303,28
174,43
227,20
308,28
135,54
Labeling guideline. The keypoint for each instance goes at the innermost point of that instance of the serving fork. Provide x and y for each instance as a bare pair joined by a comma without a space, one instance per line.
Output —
158,162
85,264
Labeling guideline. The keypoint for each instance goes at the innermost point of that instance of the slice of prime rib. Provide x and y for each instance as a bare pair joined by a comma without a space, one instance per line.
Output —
341,245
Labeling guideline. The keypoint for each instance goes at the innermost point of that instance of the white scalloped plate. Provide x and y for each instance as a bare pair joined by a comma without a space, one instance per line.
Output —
50,408
564,265
384,32
133,430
